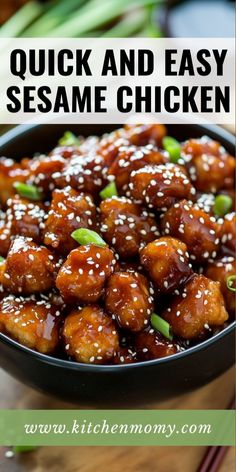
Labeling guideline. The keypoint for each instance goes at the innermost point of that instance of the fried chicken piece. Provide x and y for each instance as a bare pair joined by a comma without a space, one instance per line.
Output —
83,275
90,335
129,299
199,308
166,261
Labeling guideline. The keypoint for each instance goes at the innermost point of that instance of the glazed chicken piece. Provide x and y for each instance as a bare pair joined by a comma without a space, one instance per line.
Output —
41,171
150,344
86,173
5,236
90,335
129,300
210,167
206,201
69,211
228,234
132,158
2,270
33,323
197,229
29,268
125,355
25,218
110,144
159,187
140,135
199,308
220,270
126,225
166,261
83,275
10,172
65,151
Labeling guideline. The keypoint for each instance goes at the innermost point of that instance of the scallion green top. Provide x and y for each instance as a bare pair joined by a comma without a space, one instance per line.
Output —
109,191
172,146
69,139
229,282
87,236
161,325
222,205
27,191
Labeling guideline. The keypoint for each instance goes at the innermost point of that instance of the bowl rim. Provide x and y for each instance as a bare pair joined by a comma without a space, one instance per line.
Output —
14,133
57,362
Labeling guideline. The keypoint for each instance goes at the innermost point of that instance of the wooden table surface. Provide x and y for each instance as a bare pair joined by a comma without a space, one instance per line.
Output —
13,394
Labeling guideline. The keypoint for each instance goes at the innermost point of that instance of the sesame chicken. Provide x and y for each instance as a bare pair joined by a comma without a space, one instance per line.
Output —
125,355
228,234
10,172
32,322
83,275
25,218
198,309
150,344
220,270
210,167
131,158
86,173
118,249
143,134
166,260
42,170
129,299
29,268
126,226
159,187
69,210
90,335
197,229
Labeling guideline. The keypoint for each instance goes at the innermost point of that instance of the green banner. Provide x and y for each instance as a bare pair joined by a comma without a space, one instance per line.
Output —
117,427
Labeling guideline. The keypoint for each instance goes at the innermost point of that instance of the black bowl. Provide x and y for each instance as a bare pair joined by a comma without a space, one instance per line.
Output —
120,385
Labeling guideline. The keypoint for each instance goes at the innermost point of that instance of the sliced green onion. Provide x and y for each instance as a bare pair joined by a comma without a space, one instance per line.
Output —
19,449
222,205
96,13
109,191
130,24
28,191
54,13
161,325
87,236
69,139
229,282
21,19
2,259
172,146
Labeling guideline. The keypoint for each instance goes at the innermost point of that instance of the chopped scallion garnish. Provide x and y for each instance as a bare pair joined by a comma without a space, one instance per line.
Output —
69,139
87,236
109,191
20,449
172,146
27,191
2,259
230,281
161,325
222,205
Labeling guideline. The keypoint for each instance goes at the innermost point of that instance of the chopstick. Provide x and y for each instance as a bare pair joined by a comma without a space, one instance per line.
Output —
215,454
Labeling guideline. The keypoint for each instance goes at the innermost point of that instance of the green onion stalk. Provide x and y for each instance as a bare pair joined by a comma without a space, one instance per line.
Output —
86,236
28,191
223,204
161,325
